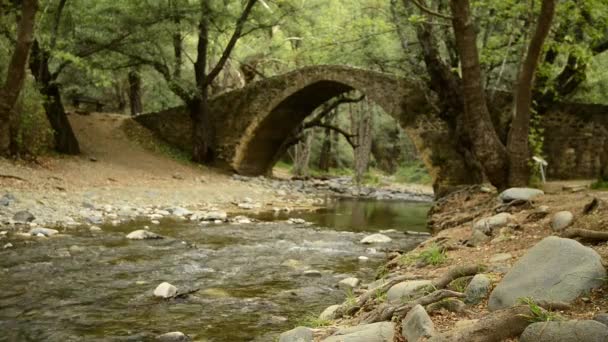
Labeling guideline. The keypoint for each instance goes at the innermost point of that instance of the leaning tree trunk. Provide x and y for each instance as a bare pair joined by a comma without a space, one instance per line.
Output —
135,92
326,148
65,140
10,90
486,144
517,143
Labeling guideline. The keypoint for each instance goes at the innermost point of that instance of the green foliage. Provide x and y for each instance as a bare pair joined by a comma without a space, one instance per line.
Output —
147,140
537,314
35,136
413,172
600,184
381,296
432,255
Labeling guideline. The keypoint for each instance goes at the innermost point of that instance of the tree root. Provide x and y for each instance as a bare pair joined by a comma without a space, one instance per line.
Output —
497,326
585,234
13,177
386,311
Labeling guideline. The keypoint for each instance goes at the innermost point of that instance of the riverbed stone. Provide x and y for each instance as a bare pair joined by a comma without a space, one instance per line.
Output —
376,238
601,317
175,336
375,332
142,234
329,313
561,220
349,283
406,290
477,238
555,270
525,194
179,211
23,216
565,331
500,257
215,215
449,304
43,231
165,290
299,334
478,289
417,324
6,200
488,224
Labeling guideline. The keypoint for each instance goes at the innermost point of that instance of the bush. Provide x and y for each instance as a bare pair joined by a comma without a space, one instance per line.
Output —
413,172
35,135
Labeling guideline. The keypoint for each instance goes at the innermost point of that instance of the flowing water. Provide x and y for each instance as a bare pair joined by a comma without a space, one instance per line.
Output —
251,278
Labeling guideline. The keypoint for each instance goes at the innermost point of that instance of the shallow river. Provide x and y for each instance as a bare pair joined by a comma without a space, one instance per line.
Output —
251,277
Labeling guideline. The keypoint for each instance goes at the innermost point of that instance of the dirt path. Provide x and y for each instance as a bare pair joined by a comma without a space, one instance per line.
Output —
114,170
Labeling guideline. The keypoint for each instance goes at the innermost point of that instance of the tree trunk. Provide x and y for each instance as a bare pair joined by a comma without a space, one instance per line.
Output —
135,92
202,132
326,147
65,140
486,145
302,155
361,125
517,143
10,90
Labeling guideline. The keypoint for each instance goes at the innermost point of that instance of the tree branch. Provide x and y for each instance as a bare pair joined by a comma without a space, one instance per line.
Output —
430,11
228,50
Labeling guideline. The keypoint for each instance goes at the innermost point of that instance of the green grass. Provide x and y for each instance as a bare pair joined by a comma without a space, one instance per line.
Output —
313,321
414,172
148,141
600,184
537,314
432,255
381,296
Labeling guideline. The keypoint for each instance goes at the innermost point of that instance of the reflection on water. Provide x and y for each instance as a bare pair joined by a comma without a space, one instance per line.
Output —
364,215
251,278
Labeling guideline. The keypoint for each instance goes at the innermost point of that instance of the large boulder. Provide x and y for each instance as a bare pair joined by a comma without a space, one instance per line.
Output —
375,332
299,334
565,331
406,290
23,216
417,324
555,269
525,194
165,290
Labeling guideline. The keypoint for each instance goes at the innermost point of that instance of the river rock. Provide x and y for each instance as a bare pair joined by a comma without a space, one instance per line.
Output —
349,283
525,194
23,216
142,234
165,290
6,200
417,324
375,332
500,257
179,211
601,317
555,269
215,215
565,331
95,229
450,304
406,290
44,231
94,219
487,225
7,246
296,221
376,238
561,220
329,313
312,273
175,336
299,334
477,238
478,289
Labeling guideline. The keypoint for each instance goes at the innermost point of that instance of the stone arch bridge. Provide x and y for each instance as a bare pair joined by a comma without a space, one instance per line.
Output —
252,123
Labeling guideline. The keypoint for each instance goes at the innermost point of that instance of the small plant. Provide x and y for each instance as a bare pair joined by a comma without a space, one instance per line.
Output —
537,314
433,255
313,321
382,272
351,299
381,295
600,184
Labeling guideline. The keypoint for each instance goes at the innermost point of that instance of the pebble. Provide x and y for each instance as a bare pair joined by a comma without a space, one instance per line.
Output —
8,245
165,290
175,336
312,273
43,231
376,238
142,234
